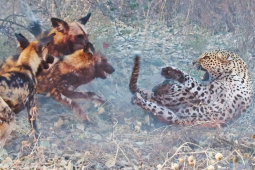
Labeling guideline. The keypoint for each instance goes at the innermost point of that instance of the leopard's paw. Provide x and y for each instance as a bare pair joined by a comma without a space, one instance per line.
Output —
173,73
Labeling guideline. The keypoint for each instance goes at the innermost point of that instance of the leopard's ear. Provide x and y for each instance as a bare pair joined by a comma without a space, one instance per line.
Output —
220,56
223,59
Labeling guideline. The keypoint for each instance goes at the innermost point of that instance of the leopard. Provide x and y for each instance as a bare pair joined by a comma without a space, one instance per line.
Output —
183,100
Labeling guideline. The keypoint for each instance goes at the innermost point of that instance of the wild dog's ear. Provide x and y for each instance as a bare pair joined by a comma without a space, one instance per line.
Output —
46,40
89,49
22,41
84,20
60,25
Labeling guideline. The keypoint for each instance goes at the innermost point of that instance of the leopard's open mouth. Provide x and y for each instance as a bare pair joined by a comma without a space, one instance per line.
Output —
206,76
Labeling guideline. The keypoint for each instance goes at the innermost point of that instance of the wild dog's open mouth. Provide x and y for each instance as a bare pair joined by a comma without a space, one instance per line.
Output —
104,73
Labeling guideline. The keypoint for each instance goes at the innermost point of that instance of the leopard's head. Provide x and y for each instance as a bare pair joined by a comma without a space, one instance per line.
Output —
220,62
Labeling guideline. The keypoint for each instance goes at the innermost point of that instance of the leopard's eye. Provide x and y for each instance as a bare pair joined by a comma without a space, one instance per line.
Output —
206,57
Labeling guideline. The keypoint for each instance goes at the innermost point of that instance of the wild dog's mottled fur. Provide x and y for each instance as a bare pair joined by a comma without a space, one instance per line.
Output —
8,63
69,38
71,71
18,84
12,60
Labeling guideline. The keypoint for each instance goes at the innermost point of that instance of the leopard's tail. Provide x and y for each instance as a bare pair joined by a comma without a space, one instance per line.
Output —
133,80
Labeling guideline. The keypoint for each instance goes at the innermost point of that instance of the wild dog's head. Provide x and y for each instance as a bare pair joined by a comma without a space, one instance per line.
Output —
102,67
70,37
34,55
11,61
88,62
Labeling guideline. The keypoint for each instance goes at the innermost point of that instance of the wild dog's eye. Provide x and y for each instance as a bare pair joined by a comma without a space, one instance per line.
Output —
80,36
104,60
206,57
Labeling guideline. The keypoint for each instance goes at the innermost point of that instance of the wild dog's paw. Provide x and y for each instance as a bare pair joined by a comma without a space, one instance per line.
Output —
137,99
80,114
89,122
97,100
173,73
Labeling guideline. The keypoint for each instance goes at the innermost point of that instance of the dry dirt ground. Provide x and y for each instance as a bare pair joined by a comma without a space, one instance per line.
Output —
124,136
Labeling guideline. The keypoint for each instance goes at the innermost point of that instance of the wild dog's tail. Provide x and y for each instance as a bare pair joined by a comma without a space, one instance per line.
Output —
134,76
34,25
35,28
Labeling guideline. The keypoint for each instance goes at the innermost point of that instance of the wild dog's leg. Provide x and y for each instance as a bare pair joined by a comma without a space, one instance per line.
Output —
208,94
6,121
80,95
32,112
160,112
59,97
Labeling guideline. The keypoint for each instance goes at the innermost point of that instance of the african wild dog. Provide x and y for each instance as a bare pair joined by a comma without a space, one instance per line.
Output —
18,84
69,36
12,60
71,71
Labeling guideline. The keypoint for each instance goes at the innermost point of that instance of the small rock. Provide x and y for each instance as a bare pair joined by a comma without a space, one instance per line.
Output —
59,123
110,163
